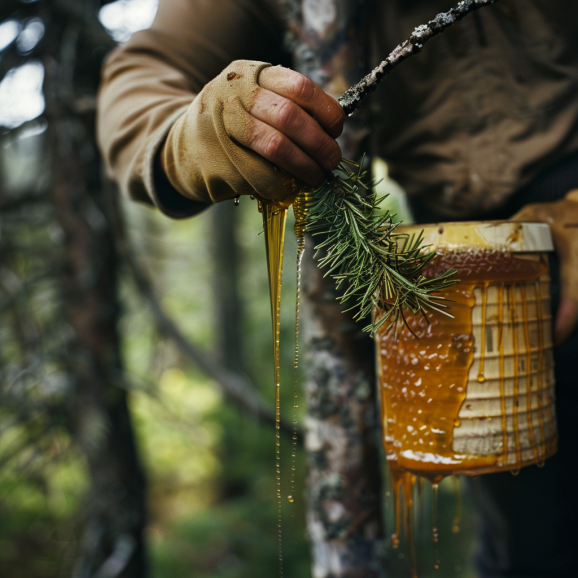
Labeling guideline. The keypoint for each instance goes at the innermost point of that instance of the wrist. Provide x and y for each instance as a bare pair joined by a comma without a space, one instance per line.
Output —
167,198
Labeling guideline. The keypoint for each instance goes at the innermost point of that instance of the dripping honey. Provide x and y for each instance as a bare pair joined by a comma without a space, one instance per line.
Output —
424,369
300,210
274,220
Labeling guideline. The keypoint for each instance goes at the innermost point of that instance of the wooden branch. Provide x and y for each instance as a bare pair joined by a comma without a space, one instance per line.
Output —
235,386
352,97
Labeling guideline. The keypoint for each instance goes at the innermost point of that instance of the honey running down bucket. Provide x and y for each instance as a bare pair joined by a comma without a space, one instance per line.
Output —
473,393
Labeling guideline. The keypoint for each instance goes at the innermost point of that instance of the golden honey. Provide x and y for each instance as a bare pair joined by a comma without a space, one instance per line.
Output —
274,219
472,393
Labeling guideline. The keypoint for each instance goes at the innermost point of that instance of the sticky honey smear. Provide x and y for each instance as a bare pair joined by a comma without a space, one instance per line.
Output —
470,394
274,220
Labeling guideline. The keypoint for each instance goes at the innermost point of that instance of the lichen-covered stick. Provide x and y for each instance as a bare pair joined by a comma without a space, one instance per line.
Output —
352,97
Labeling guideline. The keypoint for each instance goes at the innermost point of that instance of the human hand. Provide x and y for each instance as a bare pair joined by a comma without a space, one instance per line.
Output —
255,129
562,216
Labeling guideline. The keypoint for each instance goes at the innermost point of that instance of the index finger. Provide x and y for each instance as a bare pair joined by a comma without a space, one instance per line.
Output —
308,95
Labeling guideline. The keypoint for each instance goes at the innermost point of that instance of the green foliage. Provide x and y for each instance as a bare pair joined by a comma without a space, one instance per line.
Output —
232,540
381,268
39,527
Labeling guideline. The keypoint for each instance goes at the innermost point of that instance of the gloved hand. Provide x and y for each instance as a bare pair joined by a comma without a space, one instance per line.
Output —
255,129
562,216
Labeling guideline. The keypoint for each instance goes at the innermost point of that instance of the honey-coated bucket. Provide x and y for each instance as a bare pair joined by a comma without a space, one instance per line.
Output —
474,393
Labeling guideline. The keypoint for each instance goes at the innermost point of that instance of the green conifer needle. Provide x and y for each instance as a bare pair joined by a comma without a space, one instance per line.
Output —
380,268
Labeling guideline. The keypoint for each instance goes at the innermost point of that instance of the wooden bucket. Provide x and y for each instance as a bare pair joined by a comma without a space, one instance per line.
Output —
474,393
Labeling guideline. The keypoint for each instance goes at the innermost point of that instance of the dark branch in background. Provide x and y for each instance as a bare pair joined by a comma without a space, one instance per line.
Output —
11,6
14,202
351,99
234,385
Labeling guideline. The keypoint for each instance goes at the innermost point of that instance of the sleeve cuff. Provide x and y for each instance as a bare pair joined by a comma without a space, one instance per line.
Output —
166,198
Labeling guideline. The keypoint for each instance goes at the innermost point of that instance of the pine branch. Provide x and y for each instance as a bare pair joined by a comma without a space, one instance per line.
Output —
352,97
381,268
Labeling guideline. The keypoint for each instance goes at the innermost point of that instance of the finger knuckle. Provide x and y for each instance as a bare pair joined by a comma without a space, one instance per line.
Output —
287,114
304,89
336,123
276,147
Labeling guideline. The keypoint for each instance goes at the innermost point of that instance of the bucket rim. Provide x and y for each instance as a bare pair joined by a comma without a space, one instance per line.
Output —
514,236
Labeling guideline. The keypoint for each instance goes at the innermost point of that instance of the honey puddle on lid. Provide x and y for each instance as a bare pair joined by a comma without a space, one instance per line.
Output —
424,370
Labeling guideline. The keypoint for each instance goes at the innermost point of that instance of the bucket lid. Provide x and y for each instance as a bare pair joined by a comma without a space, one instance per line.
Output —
500,235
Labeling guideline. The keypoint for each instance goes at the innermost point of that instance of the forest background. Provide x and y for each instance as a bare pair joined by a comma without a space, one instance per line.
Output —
116,320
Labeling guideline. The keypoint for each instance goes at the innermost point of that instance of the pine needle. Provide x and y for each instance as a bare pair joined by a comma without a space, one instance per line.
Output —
381,268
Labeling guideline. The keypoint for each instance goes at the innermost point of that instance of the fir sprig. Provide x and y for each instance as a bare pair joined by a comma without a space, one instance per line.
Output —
381,267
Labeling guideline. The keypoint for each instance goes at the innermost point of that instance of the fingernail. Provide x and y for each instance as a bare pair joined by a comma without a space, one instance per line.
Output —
566,320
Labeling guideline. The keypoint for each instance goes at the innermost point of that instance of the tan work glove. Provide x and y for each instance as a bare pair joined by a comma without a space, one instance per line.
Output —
562,216
244,126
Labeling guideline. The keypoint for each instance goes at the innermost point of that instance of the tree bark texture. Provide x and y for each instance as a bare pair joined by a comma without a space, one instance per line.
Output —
344,497
113,544
344,511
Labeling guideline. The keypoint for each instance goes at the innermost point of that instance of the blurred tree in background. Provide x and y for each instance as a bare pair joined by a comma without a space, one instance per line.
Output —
118,325
77,345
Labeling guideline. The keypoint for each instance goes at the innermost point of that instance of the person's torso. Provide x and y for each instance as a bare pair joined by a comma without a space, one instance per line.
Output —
484,108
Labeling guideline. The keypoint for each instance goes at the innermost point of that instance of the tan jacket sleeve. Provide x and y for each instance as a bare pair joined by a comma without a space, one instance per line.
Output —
151,80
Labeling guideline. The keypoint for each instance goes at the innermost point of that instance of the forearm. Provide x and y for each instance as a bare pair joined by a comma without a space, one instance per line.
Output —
150,81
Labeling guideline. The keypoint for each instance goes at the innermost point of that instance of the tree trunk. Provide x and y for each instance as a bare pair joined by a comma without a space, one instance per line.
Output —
113,544
227,303
344,518
344,511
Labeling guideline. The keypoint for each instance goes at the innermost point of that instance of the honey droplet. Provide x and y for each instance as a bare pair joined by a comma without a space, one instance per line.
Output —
481,378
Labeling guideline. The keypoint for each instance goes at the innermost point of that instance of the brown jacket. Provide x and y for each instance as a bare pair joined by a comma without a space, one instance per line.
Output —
477,115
